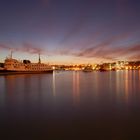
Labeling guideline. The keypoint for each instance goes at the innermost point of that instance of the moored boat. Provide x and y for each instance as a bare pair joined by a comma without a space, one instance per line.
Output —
14,66
88,68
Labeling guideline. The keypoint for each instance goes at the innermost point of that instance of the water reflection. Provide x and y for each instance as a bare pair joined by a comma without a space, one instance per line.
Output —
76,87
139,75
2,91
126,86
26,89
121,86
97,101
53,84
95,86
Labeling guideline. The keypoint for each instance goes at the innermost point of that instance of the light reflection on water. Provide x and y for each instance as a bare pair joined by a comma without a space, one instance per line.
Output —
76,87
121,86
106,98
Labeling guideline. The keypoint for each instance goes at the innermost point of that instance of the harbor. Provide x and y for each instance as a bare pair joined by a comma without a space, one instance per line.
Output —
69,69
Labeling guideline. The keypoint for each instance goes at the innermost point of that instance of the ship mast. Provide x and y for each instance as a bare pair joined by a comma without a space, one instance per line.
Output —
11,54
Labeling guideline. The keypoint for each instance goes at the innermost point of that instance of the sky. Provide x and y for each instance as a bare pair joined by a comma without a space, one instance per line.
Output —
70,31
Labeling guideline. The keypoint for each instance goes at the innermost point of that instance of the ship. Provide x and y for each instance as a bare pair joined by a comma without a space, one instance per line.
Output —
14,66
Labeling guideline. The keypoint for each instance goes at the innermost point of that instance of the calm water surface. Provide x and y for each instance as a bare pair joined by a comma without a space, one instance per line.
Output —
71,105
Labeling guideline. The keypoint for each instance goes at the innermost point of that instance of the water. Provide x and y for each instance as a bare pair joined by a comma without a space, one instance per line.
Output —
70,105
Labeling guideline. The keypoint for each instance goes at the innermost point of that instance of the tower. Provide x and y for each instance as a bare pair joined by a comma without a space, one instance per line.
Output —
39,60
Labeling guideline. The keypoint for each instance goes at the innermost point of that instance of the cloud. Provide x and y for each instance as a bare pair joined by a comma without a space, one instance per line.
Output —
109,49
31,48
134,57
111,53
24,47
4,46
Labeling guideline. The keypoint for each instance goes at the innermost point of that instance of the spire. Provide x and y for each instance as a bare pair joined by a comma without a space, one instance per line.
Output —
39,61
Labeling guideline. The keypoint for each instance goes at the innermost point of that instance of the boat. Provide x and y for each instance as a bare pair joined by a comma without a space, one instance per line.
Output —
14,66
102,70
88,68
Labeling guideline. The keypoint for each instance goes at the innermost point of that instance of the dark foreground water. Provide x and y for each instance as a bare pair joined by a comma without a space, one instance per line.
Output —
70,105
